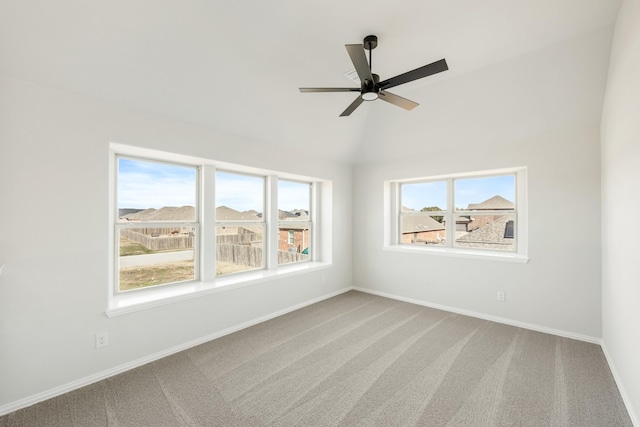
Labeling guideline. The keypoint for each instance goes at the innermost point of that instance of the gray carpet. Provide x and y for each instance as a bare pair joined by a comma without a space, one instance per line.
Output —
356,360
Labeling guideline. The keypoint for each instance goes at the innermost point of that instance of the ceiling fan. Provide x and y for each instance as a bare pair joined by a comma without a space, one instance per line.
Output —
371,88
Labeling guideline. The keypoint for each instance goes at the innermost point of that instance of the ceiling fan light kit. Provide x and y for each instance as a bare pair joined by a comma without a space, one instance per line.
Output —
371,88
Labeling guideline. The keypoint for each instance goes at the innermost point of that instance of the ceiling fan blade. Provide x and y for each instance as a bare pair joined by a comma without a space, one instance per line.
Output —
397,100
359,59
352,107
329,89
418,73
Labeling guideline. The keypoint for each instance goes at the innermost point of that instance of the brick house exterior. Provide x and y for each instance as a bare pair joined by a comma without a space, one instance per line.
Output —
293,238
421,229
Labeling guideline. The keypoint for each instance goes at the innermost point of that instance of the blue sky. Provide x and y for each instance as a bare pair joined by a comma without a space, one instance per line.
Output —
144,184
246,192
240,192
293,195
473,190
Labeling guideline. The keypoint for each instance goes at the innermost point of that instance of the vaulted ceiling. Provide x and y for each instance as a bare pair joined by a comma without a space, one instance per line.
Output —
236,66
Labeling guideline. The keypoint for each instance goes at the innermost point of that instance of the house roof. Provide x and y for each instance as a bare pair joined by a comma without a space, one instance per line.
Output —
294,215
225,213
167,213
495,203
420,223
187,213
491,233
180,61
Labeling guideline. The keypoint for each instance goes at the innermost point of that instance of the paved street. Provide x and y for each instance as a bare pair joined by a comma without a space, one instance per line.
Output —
151,259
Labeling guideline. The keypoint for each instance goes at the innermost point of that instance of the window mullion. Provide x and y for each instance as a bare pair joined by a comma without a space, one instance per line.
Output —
271,226
450,225
395,194
313,216
208,223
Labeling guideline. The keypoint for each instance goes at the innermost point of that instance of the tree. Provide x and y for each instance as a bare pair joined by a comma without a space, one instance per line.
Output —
433,209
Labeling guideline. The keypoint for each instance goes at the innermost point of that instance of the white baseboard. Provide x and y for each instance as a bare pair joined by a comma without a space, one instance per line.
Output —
82,382
497,319
616,377
31,400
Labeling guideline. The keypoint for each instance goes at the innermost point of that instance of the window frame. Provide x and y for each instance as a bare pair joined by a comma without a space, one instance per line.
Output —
307,224
118,225
394,215
237,223
206,281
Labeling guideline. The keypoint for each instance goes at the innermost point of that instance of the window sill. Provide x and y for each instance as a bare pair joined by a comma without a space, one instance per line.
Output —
460,253
136,301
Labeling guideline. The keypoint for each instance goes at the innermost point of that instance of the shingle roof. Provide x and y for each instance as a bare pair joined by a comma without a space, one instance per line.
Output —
294,215
418,223
494,203
224,213
491,233
188,213
167,213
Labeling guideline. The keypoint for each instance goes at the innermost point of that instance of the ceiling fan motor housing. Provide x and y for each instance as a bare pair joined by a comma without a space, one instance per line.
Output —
369,89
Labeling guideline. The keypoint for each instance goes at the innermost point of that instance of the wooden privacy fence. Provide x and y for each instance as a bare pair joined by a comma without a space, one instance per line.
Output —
285,257
162,243
238,239
239,254
233,248
252,256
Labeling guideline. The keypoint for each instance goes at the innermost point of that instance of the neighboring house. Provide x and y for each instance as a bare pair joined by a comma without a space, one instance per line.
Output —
497,234
421,229
188,213
462,223
224,213
488,231
293,238
496,203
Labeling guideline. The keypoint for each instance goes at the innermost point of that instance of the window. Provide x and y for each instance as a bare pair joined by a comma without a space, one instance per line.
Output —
240,223
294,221
484,206
479,213
184,225
157,223
422,213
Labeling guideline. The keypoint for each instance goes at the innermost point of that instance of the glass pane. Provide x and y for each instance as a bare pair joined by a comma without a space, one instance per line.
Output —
294,243
422,230
239,248
424,196
239,197
293,201
155,256
486,232
489,193
150,191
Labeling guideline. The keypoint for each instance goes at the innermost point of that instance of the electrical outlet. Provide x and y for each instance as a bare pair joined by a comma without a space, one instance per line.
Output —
500,295
324,280
102,339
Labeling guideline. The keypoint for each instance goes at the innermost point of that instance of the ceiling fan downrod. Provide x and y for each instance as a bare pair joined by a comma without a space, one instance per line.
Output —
369,88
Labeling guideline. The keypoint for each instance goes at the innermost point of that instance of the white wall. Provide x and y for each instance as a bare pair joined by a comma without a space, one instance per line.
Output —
542,111
620,200
54,232
560,286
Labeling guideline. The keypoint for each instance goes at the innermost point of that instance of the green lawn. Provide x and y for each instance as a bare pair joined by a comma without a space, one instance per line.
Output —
141,277
129,247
